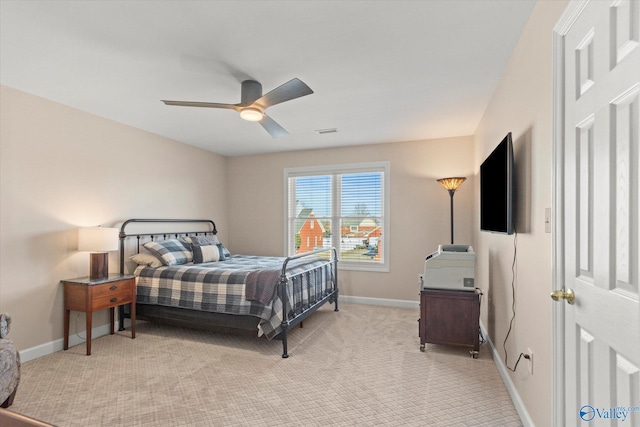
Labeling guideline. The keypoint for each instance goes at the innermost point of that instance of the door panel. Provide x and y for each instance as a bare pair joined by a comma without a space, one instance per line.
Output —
599,208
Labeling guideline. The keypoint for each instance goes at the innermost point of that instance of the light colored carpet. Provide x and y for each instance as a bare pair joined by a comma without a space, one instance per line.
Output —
359,366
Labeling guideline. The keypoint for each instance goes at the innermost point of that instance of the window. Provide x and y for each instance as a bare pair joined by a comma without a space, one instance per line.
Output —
351,206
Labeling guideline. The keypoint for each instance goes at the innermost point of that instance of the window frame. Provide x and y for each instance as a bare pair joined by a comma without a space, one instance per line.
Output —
350,168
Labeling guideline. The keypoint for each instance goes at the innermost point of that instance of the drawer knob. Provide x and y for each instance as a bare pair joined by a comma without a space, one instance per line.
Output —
113,288
113,300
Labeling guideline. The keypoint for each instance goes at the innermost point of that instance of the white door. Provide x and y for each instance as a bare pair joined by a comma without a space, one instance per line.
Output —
596,253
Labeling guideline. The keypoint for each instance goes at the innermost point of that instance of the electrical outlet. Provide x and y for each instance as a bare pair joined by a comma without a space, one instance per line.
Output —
530,360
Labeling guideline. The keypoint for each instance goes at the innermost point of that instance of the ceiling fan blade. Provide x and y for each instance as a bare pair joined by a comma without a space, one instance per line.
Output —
202,104
290,90
274,129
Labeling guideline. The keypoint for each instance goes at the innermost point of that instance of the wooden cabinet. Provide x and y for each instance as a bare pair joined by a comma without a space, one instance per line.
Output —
84,294
450,317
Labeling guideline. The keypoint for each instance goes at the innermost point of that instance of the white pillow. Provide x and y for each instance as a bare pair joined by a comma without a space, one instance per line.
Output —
146,259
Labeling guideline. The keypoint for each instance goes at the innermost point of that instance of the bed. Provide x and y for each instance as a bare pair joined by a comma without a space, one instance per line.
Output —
208,288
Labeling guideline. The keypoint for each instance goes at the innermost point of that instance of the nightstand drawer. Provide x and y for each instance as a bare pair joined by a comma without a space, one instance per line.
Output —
112,300
113,288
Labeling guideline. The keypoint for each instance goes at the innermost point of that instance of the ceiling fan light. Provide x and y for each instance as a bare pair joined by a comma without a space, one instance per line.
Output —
251,114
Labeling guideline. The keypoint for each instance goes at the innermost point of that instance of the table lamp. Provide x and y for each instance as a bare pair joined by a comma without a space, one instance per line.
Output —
98,241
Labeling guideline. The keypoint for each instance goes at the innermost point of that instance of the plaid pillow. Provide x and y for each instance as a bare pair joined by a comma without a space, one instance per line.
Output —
195,240
170,252
206,253
207,240
215,241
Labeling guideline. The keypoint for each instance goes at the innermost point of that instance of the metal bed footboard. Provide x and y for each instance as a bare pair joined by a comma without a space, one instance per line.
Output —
295,307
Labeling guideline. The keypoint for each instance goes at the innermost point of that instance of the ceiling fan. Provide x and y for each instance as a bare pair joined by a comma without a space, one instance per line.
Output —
253,104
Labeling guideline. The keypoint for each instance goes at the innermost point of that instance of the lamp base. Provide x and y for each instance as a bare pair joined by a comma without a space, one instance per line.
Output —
99,266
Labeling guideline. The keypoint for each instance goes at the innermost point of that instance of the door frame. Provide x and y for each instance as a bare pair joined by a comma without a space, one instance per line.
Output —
562,27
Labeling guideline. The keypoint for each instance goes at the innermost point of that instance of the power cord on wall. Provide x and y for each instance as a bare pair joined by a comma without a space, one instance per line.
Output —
513,306
78,333
480,294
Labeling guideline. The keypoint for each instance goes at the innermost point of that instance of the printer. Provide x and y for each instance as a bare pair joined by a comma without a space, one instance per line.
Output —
451,267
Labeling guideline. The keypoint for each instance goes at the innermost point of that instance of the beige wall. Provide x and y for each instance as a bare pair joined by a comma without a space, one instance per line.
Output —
522,104
419,206
62,169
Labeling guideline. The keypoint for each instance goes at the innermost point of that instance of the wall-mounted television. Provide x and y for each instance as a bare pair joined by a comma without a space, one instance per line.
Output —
496,189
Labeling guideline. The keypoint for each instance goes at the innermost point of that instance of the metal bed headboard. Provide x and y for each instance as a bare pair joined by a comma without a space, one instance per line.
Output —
123,234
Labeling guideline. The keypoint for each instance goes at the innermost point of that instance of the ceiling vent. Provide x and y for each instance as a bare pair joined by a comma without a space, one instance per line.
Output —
324,131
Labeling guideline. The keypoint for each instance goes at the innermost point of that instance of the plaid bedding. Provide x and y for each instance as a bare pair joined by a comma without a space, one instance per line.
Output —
221,287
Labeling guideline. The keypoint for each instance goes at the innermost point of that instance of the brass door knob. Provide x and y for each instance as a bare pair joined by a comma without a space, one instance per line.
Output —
566,294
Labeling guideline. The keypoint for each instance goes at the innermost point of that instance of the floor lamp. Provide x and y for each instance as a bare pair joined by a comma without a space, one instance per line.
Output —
451,185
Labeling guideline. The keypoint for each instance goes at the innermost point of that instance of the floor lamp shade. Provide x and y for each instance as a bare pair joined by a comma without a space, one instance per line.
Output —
452,183
98,241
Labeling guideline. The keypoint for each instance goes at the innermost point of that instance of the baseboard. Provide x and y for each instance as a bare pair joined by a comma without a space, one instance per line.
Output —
380,301
57,345
521,409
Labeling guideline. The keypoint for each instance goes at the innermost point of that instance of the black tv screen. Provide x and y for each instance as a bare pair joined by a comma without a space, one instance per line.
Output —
496,189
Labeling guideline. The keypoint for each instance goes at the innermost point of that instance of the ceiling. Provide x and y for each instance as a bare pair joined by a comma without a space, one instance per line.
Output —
381,71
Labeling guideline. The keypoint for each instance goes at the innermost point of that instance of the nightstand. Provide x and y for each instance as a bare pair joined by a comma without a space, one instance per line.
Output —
84,294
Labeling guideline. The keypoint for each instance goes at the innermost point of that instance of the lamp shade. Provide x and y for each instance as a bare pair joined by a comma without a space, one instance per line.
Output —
98,239
451,183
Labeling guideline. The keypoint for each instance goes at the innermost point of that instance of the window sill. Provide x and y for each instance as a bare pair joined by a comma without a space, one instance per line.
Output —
379,268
